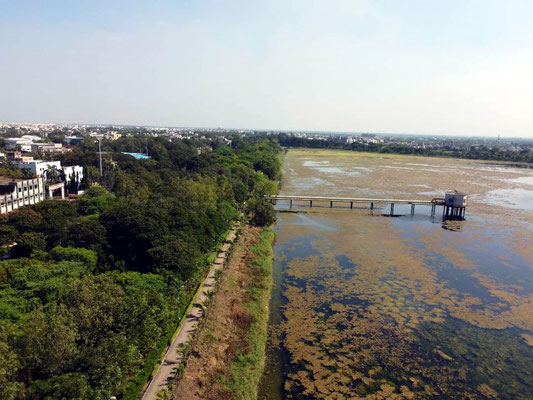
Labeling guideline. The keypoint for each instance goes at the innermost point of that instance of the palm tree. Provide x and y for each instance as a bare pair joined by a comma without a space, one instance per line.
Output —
53,174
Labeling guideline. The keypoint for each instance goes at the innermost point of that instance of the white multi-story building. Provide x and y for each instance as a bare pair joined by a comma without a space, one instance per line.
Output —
75,172
42,168
39,167
15,193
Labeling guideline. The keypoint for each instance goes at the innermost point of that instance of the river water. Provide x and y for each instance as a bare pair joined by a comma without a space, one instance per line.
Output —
403,307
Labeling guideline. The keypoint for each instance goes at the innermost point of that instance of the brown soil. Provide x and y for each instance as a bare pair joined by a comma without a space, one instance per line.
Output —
223,329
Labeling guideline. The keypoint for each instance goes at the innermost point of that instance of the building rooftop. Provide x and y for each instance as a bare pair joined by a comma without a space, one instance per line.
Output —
5,180
455,192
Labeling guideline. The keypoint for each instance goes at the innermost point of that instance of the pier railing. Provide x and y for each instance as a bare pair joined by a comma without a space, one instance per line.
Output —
372,201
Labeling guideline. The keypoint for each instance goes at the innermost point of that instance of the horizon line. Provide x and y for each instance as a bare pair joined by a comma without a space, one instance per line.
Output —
341,132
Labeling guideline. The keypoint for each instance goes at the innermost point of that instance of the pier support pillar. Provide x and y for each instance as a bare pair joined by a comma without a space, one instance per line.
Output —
311,203
330,204
290,202
391,209
372,205
412,209
351,204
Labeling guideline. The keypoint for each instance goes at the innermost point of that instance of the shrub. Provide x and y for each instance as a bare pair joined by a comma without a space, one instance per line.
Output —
261,212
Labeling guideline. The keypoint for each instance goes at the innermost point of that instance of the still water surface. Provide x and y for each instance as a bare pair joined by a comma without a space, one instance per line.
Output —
367,306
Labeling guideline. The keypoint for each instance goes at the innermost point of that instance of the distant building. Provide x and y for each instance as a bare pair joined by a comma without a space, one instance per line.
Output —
109,135
112,135
32,138
17,156
73,140
15,143
47,147
204,149
16,193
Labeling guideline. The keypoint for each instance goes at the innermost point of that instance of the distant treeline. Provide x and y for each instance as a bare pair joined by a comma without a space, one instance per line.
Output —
474,152
89,292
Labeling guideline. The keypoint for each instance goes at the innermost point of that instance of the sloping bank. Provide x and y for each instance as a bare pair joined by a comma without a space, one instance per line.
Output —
228,356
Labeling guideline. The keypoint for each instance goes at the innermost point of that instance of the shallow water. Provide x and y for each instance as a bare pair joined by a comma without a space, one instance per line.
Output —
371,307
521,199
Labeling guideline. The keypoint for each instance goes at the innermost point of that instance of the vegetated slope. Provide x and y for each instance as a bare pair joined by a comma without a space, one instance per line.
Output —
90,295
227,359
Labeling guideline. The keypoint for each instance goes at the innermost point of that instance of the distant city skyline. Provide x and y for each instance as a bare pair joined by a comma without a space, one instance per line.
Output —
241,129
456,68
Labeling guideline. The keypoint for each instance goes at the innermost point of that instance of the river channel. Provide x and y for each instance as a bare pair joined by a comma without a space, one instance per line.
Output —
405,307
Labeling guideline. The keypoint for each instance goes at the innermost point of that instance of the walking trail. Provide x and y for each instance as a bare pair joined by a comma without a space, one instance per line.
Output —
167,371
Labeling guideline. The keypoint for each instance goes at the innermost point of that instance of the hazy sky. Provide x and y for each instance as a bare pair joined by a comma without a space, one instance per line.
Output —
419,66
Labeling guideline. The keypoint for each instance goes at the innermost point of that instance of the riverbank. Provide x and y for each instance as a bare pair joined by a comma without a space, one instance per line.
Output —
227,359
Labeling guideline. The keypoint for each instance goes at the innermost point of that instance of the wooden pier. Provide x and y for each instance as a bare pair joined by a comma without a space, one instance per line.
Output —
372,202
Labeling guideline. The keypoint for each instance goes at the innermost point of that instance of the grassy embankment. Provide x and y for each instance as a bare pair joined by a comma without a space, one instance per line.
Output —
245,371
228,353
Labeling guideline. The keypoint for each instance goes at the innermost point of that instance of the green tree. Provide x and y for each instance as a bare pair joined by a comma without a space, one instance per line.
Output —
8,233
261,212
91,176
10,388
93,301
264,186
25,220
89,233
48,341
174,254
95,200
87,257
72,386
29,242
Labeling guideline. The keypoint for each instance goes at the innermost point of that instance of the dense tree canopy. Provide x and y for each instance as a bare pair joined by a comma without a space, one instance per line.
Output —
90,288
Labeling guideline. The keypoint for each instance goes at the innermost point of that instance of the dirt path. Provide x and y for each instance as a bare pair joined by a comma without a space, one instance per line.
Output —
167,371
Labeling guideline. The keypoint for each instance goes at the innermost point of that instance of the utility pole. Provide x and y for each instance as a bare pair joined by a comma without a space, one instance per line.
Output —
100,155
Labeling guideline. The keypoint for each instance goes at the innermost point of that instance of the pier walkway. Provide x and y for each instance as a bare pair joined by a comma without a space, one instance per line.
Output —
357,200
